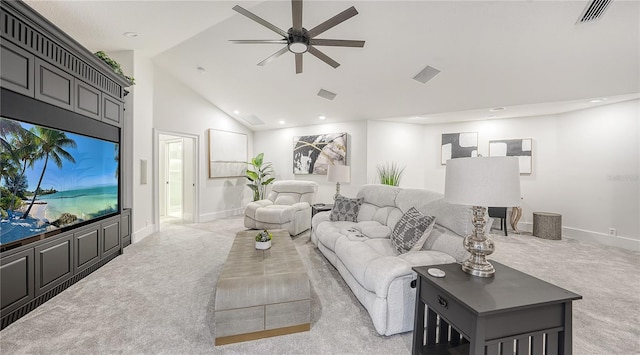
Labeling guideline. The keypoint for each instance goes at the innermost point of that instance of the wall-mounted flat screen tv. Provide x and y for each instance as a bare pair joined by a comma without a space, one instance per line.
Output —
53,180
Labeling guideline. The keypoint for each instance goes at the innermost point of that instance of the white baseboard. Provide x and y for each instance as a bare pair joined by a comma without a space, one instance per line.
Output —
591,236
208,217
143,233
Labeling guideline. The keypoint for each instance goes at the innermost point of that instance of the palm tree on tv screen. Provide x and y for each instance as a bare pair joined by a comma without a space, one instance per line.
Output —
25,147
51,144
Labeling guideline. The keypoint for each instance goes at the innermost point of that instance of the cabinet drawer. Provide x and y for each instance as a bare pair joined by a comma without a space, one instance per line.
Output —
447,307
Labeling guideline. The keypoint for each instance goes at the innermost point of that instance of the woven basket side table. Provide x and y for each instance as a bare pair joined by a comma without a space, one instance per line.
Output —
547,225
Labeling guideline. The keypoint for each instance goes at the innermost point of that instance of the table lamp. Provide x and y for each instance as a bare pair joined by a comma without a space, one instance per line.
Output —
481,182
339,173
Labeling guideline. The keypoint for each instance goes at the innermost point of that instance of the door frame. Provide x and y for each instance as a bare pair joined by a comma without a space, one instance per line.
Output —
156,172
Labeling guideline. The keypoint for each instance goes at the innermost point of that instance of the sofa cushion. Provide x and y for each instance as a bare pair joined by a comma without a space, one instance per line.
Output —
410,229
346,209
328,232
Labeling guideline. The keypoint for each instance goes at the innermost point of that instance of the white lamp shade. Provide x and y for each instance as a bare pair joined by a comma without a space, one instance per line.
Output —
483,181
339,173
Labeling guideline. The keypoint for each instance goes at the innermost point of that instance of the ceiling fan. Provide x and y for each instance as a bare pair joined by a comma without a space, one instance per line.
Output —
299,40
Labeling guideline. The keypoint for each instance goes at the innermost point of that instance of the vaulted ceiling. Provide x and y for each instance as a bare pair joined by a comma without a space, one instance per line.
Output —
531,57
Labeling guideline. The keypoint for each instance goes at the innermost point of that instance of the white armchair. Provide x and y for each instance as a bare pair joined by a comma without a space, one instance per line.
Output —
288,206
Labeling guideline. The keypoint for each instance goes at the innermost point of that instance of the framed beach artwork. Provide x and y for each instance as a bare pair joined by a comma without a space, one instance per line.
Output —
313,154
521,148
227,154
458,145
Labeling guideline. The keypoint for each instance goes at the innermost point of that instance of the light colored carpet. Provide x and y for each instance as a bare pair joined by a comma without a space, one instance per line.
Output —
158,298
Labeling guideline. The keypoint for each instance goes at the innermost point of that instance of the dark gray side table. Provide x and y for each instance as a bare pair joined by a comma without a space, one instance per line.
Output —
511,313
320,207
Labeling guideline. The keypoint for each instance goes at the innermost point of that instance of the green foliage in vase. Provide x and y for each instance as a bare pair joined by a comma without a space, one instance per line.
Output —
390,173
264,236
114,65
259,173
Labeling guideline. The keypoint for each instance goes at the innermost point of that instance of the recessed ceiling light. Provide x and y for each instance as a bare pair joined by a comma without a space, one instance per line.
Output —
202,70
322,117
236,112
130,34
281,122
496,109
595,101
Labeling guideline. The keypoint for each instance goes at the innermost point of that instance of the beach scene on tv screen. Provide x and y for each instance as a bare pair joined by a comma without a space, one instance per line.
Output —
53,179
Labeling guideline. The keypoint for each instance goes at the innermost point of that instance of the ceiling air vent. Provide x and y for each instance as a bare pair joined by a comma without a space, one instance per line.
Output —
326,94
426,74
594,10
253,120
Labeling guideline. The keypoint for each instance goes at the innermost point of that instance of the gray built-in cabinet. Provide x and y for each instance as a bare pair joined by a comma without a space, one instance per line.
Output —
42,63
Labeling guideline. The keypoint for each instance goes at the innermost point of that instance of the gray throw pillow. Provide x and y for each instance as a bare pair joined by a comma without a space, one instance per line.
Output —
346,209
410,230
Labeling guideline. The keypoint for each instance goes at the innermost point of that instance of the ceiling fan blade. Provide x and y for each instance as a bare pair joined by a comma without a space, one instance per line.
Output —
296,11
336,42
298,63
334,21
259,20
258,41
274,56
323,57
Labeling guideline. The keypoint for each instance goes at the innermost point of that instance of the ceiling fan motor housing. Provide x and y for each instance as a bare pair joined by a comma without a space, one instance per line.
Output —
298,40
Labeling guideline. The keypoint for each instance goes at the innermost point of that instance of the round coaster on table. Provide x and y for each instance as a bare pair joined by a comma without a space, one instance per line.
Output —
435,272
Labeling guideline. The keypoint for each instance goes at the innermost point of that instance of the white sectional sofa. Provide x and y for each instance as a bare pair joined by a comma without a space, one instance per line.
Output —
362,252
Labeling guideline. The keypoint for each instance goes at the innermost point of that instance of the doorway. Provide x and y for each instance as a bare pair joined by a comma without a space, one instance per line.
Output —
177,178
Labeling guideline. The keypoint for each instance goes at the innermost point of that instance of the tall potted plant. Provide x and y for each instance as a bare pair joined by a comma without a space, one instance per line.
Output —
258,173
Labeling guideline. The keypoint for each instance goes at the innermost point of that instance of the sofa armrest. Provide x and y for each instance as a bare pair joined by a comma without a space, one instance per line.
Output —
301,206
320,217
250,211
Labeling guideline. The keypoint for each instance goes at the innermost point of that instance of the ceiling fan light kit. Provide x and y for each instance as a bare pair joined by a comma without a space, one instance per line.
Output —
299,40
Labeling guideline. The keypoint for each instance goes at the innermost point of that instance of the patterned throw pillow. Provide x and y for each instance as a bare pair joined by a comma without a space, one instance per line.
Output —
346,209
410,229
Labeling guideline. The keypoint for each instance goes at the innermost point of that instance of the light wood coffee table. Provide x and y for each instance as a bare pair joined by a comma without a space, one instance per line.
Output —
262,293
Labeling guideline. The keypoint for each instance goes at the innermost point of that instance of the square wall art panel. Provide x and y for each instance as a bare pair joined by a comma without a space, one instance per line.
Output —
313,154
227,154
458,145
521,148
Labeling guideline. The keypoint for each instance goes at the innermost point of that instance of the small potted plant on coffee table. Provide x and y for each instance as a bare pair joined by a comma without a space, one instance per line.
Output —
263,240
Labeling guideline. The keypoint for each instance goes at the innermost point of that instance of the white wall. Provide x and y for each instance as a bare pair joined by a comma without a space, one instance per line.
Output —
585,167
277,146
178,109
402,143
138,123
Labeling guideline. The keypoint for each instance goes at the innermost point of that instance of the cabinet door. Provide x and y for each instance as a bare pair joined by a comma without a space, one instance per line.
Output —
125,228
87,100
16,280
87,248
53,85
54,263
16,69
112,110
110,237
